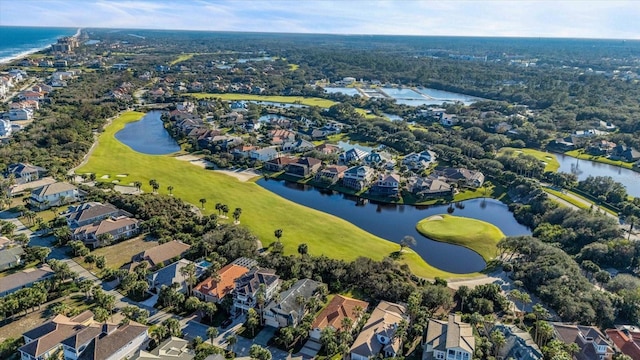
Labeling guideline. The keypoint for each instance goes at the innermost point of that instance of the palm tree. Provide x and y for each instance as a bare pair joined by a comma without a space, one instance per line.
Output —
138,185
212,333
236,215
463,292
170,189
303,249
202,202
232,340
159,333
225,210
218,207
278,234
154,185
189,273
498,340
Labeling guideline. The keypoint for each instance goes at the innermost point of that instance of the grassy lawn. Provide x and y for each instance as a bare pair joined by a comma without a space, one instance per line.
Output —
181,58
567,198
309,101
293,67
476,235
601,159
550,160
121,253
263,211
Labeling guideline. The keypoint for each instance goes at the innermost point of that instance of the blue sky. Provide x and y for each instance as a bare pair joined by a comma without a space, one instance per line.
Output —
585,19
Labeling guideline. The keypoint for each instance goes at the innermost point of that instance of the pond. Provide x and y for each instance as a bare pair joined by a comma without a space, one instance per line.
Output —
392,222
585,168
148,135
410,97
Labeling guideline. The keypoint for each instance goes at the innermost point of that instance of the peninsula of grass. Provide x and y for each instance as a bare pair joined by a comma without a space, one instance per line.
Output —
308,101
262,210
601,159
550,160
476,235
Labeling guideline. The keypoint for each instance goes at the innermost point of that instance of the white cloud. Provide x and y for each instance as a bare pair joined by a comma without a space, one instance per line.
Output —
542,18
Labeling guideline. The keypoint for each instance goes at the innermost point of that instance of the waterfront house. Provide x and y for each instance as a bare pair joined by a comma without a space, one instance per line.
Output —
591,342
214,290
331,174
430,186
386,185
377,337
462,176
248,285
352,156
54,194
625,153
25,278
601,148
450,340
24,173
290,307
337,309
279,163
304,167
358,177
172,274
119,228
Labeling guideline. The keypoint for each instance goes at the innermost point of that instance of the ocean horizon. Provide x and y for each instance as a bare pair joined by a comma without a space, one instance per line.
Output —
19,41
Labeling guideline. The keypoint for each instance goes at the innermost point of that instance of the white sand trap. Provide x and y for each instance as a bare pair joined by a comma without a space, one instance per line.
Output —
115,181
187,157
243,176
435,218
122,175
104,177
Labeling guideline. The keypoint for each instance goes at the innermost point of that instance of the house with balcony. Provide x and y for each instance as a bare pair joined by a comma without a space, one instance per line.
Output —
264,154
419,161
24,173
379,159
352,156
386,185
331,174
358,177
172,274
449,340
54,194
429,186
215,290
337,309
248,286
290,307
591,342
377,337
304,167
119,228
626,340
462,176
91,213
518,343
279,163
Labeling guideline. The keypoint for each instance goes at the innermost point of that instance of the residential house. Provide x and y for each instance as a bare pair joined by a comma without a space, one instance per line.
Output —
119,228
328,149
297,146
291,307
239,106
305,166
211,290
5,127
54,194
563,144
20,114
353,155
591,342
518,343
280,136
187,106
11,257
625,153
386,185
90,213
172,274
173,348
377,337
448,119
358,177
331,174
163,254
81,338
601,148
31,95
450,340
279,163
337,309
462,176
226,142
430,186
23,279
419,161
264,154
379,159
24,173
248,285
625,340
243,151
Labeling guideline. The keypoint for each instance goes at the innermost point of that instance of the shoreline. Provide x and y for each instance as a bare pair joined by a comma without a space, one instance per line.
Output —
26,53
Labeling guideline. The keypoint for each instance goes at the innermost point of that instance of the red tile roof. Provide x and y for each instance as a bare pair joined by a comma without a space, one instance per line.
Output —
220,289
624,343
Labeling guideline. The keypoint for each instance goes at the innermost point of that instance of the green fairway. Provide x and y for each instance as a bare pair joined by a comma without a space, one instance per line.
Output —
476,235
309,101
550,160
181,58
262,211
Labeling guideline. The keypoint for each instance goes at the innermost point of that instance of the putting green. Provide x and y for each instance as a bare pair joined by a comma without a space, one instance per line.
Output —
476,235
262,211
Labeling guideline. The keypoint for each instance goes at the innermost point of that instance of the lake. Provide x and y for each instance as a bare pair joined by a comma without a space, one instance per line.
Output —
419,96
392,222
148,135
585,168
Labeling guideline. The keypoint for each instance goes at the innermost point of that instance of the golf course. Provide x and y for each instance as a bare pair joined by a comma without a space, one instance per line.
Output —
476,235
262,211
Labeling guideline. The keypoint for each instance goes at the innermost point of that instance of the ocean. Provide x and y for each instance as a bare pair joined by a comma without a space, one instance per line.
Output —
17,41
